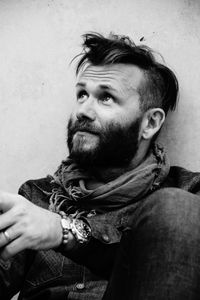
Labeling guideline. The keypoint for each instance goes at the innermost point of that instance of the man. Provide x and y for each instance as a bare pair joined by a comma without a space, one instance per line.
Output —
114,212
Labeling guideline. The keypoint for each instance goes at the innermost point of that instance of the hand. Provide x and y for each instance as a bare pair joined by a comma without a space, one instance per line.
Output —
23,225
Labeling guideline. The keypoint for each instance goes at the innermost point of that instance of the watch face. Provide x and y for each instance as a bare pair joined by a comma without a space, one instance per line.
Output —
82,229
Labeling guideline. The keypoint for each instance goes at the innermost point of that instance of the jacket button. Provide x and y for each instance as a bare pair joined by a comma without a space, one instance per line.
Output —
80,286
106,238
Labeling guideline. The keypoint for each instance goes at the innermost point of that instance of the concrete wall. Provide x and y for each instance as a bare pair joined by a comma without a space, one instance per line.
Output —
38,39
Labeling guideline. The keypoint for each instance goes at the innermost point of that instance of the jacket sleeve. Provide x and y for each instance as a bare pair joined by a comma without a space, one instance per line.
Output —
98,255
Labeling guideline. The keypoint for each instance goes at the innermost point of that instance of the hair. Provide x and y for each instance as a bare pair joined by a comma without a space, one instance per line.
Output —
160,87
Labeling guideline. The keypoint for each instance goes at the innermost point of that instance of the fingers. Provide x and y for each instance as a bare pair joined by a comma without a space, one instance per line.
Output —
8,235
6,220
4,238
12,248
7,200
23,222
17,208
12,241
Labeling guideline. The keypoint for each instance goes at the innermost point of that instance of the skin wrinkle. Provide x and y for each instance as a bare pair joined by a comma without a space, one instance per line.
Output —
109,75
106,86
125,84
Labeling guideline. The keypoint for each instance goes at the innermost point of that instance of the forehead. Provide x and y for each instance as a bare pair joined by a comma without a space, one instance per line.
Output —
121,75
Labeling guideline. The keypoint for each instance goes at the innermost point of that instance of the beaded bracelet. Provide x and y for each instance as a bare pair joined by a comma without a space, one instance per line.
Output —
65,223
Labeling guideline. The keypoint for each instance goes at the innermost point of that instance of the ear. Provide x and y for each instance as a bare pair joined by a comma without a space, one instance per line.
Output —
152,122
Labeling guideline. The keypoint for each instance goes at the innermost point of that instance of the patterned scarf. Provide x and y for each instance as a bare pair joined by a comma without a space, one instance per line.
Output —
71,195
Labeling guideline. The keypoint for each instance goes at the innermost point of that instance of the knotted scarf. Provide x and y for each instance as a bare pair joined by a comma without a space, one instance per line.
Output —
71,195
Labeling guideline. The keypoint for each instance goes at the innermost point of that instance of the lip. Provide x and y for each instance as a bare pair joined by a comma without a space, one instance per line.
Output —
85,132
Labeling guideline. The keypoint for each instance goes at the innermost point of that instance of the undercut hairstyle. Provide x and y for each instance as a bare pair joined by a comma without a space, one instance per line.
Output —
160,86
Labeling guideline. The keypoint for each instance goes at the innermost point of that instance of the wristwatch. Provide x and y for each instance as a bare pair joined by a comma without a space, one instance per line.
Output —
80,229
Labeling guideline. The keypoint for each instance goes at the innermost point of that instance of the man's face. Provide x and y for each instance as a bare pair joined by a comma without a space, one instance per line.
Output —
104,127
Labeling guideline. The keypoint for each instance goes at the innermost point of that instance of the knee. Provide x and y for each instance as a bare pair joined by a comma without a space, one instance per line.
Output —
172,212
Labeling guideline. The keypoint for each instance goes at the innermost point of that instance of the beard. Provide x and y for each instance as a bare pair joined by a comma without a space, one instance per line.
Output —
115,145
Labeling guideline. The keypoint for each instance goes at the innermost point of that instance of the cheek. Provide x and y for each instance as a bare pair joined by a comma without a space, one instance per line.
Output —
106,116
130,117
72,117
121,114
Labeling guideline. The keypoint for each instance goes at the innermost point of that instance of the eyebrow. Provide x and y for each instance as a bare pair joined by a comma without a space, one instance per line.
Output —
102,86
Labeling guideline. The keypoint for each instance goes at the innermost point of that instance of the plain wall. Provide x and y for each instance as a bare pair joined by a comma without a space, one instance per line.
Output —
38,39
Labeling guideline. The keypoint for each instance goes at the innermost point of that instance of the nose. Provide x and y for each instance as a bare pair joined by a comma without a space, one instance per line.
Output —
86,110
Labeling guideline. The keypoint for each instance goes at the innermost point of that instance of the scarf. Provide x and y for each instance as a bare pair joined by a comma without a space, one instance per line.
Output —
71,195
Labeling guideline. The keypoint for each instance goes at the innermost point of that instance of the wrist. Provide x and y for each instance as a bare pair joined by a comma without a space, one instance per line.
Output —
59,231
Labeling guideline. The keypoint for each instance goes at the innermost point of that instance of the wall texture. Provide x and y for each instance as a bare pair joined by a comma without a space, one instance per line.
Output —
38,39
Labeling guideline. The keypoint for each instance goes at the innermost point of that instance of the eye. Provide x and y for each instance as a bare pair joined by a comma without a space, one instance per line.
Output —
82,95
107,98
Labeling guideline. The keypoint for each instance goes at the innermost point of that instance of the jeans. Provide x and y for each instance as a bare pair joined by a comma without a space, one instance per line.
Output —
159,256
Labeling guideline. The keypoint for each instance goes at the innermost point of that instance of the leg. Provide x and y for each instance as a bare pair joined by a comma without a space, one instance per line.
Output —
159,258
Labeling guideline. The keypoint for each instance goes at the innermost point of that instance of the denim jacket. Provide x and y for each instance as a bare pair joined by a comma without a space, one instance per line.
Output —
80,274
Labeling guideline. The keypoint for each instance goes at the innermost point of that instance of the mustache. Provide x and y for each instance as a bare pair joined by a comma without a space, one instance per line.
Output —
83,125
